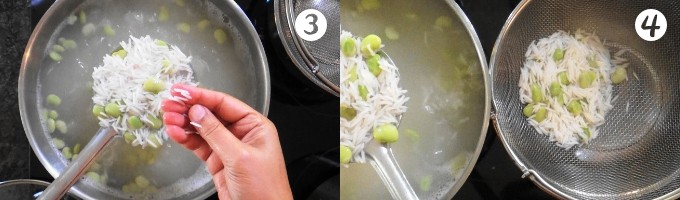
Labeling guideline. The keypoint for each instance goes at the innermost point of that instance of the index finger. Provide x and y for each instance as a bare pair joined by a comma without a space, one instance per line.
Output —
223,105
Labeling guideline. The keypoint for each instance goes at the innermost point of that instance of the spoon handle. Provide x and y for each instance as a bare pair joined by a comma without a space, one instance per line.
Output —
70,176
382,160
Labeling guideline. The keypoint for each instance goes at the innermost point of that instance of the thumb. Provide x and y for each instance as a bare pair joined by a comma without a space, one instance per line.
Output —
211,129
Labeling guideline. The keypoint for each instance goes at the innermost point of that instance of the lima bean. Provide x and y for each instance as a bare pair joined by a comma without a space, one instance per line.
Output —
180,3
184,27
574,107
619,75
592,62
564,79
154,141
353,76
528,110
163,14
76,148
120,53
69,44
363,92
541,114
134,122
220,36
156,122
112,110
386,133
97,110
61,126
425,183
108,30
349,47
371,43
55,56
586,131
555,89
373,65
82,17
345,154
160,42
558,55
153,85
58,143
66,151
53,114
129,137
93,176
53,100
586,79
141,181
347,112
536,93
203,24
58,48
50,125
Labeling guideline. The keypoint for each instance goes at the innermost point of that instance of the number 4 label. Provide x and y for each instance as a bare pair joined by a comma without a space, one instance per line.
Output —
650,25
310,25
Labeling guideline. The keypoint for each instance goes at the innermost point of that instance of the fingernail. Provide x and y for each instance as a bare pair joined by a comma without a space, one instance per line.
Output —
197,113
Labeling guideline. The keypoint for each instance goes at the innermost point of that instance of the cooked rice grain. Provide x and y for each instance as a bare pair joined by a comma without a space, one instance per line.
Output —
121,80
540,67
384,104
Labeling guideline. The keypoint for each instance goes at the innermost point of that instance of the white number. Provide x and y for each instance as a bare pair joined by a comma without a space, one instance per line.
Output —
650,25
310,25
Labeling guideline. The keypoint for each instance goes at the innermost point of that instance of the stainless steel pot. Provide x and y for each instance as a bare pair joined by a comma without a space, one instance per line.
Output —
443,68
238,67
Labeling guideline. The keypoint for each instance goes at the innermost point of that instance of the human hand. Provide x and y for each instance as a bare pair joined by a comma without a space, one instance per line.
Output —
239,145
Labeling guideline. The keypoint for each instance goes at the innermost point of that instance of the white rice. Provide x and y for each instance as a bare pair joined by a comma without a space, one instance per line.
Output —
197,125
384,104
183,92
539,67
121,80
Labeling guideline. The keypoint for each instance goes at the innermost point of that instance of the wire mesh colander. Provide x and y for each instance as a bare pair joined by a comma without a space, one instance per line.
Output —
637,154
318,60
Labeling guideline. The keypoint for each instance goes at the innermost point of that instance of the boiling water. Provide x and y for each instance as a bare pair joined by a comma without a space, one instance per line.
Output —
441,71
175,170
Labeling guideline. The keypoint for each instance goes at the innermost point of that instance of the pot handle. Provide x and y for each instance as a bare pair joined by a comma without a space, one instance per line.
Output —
73,172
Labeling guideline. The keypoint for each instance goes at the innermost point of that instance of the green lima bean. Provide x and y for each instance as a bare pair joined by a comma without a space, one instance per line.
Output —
345,154
386,133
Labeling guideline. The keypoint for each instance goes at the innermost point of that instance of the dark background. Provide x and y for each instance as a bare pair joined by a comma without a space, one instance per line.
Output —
301,121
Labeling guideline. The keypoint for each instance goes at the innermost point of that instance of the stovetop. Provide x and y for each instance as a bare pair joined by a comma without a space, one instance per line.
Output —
307,119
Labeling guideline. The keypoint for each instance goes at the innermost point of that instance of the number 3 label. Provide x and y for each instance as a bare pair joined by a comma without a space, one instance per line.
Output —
310,25
650,25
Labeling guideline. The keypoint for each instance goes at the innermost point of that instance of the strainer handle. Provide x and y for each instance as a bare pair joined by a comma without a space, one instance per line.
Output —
306,56
382,160
314,65
78,166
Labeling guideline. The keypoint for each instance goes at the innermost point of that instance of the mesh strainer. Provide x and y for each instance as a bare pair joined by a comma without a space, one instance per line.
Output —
637,154
318,60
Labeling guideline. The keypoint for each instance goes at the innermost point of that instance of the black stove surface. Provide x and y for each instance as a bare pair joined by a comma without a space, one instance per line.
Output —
307,119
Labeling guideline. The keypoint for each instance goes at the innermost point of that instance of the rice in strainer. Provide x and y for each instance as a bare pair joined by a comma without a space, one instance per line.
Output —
582,52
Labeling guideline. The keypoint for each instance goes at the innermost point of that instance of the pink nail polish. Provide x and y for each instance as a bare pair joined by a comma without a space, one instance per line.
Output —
197,113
